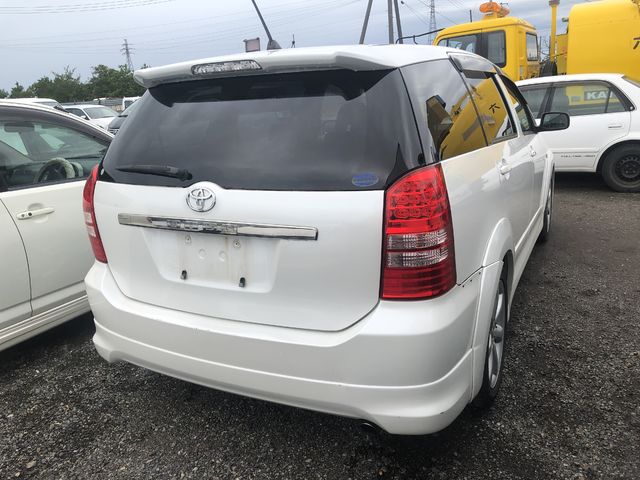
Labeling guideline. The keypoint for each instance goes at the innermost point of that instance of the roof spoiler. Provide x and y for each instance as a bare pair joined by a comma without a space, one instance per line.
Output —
272,62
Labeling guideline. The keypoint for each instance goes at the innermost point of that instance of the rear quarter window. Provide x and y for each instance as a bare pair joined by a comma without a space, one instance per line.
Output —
321,130
446,116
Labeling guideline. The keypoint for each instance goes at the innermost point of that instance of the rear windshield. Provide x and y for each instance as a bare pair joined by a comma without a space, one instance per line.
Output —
99,112
322,130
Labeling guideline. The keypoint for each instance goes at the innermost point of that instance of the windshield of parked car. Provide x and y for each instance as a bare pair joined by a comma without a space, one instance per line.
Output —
100,112
327,130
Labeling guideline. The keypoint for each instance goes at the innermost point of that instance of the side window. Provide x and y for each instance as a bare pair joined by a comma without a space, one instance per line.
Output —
494,114
535,97
468,43
532,47
42,152
13,140
443,108
497,48
588,98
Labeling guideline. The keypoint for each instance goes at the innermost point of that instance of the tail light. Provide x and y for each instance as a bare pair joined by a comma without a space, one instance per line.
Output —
90,216
418,254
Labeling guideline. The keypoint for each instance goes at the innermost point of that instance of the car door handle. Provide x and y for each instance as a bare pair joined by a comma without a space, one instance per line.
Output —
614,126
35,213
505,168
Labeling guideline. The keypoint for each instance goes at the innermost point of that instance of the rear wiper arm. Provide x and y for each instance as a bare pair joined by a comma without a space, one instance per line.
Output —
160,170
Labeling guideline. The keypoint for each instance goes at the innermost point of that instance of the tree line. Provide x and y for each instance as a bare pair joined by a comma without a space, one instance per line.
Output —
68,87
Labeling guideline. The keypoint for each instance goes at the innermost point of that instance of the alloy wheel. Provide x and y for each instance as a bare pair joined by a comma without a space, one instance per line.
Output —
496,336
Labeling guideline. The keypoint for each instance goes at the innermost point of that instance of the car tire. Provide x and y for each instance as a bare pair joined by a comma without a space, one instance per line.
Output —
621,169
548,211
494,358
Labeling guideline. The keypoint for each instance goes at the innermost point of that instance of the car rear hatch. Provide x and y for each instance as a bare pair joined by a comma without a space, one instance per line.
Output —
257,198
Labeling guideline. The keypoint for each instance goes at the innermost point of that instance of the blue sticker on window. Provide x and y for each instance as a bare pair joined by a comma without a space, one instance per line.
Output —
365,179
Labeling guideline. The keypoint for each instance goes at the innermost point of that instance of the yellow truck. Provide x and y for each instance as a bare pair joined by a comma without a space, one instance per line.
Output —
601,37
509,42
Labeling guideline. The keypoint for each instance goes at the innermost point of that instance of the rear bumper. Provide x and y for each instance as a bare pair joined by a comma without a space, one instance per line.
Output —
406,366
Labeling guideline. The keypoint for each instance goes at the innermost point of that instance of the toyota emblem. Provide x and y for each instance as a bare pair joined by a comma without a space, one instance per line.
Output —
201,199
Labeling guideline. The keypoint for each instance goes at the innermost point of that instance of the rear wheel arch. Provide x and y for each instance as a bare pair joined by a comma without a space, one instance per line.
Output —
500,243
611,148
498,258
489,371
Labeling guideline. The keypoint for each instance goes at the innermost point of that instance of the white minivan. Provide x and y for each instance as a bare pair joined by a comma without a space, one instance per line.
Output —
337,228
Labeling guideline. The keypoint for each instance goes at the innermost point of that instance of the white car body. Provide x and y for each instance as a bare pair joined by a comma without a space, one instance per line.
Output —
47,102
309,328
127,102
45,250
591,136
89,111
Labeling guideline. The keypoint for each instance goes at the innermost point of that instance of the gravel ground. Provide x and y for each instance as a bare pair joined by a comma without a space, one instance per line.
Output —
569,405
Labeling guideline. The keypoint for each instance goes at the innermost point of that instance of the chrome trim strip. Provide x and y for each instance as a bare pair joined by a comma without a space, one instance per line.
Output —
59,313
218,227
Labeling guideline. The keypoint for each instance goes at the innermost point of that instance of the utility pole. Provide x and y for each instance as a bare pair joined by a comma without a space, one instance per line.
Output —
390,20
554,20
391,5
432,19
126,51
271,44
398,23
366,22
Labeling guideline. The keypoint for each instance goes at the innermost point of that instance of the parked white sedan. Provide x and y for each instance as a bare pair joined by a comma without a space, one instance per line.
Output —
604,136
97,114
337,228
45,155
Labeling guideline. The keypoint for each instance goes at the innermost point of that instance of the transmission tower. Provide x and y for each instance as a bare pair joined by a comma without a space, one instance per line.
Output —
432,19
127,51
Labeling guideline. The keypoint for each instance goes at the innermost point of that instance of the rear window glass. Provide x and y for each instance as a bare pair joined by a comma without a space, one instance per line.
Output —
99,112
632,81
322,130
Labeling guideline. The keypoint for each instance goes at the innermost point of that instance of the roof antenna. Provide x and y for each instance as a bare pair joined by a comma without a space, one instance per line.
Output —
293,40
271,44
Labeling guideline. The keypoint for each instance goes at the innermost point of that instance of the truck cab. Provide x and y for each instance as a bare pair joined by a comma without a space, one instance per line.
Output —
509,42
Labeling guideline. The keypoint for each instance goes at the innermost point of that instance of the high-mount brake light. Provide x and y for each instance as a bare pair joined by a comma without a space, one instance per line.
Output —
90,216
418,257
222,67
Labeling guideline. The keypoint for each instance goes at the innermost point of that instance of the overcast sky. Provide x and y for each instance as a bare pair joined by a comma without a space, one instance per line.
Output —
38,37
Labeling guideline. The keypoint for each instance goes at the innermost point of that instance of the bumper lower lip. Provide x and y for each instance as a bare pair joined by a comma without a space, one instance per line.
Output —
411,378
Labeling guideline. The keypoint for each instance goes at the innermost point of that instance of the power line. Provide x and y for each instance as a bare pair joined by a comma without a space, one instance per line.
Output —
68,8
281,17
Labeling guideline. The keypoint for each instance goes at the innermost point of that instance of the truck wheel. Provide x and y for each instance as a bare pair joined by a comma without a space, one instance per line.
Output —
492,375
621,169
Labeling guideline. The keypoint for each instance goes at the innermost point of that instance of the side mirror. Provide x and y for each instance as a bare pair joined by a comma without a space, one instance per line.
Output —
552,121
85,117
